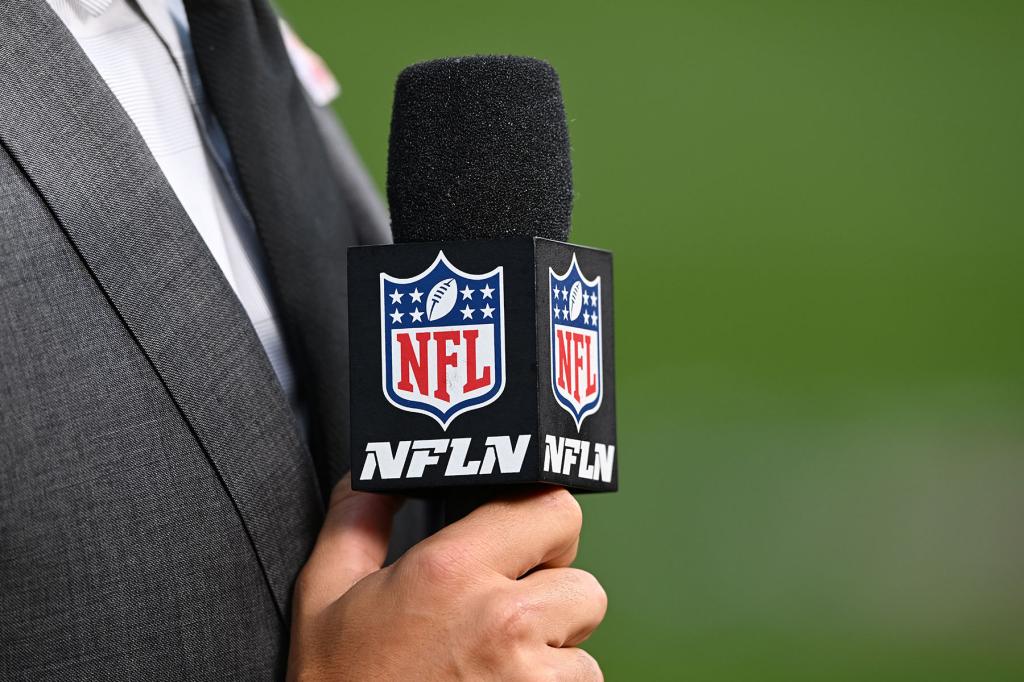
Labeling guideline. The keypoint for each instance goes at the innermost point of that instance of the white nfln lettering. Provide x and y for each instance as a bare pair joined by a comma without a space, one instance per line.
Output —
571,457
411,457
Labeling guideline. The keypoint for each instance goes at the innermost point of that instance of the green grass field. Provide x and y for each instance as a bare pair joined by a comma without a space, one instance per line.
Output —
817,215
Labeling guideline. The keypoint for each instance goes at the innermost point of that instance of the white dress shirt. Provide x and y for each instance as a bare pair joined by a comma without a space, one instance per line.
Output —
146,60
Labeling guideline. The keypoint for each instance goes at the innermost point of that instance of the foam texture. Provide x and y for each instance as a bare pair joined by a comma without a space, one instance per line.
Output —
479,150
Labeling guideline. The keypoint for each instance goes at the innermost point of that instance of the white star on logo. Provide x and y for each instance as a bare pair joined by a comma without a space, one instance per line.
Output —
586,318
558,313
565,294
467,312
396,297
593,317
416,295
565,313
488,311
396,317
467,293
487,291
416,314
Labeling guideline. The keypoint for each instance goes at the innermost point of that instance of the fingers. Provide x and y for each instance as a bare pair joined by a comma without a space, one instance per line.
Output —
353,543
515,534
571,665
566,604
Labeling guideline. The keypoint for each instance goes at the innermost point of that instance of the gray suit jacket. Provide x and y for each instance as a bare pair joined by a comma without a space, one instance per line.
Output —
156,499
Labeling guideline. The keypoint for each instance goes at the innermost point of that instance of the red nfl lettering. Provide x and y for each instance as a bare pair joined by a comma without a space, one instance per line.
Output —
591,374
415,360
564,366
444,360
473,381
571,365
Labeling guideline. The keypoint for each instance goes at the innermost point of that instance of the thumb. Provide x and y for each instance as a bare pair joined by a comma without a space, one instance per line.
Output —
352,544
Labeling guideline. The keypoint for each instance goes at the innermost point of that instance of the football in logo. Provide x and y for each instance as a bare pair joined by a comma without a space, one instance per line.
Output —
441,299
575,301
443,340
576,367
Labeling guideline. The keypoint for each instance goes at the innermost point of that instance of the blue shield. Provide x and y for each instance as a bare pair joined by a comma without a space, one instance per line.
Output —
443,340
576,369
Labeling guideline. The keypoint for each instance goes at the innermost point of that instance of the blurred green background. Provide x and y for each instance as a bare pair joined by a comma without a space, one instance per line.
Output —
817,215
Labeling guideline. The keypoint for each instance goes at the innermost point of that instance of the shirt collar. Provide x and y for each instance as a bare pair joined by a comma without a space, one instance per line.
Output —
84,8
95,7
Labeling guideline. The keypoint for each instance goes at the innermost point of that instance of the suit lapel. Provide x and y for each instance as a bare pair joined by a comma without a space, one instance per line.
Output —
85,157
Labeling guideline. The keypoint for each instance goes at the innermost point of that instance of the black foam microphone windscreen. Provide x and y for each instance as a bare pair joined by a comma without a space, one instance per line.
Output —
479,149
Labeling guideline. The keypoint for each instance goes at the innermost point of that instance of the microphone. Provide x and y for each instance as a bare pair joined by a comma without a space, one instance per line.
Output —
481,343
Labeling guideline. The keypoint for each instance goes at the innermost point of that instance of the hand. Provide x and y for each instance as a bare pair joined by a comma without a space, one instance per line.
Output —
489,597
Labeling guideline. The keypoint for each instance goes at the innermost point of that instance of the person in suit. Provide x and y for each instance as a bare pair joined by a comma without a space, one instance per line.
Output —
175,210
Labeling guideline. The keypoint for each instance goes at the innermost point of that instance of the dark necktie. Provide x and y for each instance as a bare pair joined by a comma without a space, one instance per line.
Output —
293,196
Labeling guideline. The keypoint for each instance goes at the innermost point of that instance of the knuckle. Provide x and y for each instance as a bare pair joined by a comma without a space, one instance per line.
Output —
509,619
437,564
595,591
588,667
566,508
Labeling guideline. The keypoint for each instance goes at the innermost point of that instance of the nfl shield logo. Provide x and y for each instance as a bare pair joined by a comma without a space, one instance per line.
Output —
576,376
443,340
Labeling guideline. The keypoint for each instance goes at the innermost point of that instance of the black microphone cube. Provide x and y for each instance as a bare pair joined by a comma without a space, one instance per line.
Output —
482,363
